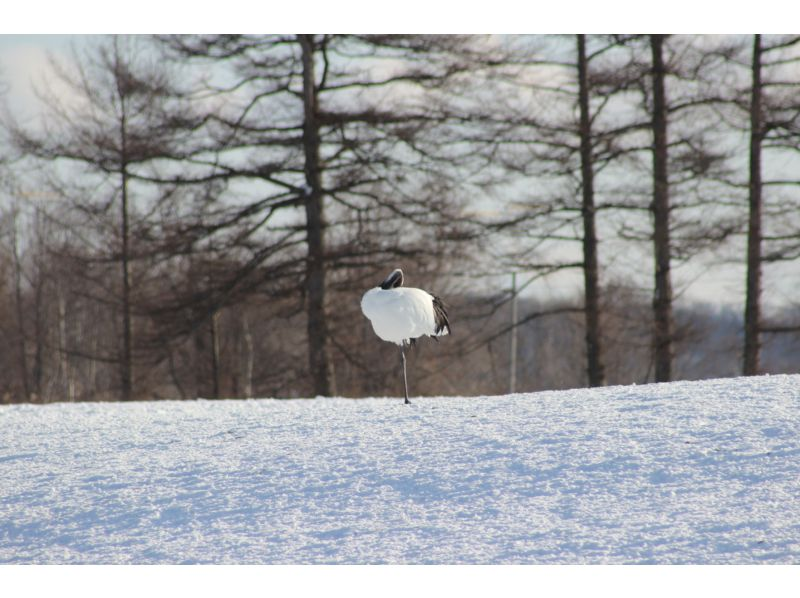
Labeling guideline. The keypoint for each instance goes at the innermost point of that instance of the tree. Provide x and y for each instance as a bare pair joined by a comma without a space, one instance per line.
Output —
122,114
675,137
752,310
320,364
558,128
660,207
339,142
774,122
10,233
594,353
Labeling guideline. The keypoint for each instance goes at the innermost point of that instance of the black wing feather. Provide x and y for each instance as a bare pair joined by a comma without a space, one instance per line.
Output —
440,315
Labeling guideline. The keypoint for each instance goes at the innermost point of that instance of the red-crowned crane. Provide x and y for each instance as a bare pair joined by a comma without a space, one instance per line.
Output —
401,315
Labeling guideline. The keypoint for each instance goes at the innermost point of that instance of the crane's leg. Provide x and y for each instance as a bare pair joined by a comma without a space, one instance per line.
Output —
405,378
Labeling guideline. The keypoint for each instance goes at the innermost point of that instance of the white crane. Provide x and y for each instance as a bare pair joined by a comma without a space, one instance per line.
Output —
400,315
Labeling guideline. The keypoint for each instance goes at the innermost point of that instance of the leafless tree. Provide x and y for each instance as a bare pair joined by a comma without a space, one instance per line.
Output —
208,229
774,124
121,114
337,135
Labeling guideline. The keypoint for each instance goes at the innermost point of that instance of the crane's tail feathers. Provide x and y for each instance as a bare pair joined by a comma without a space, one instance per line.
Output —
442,324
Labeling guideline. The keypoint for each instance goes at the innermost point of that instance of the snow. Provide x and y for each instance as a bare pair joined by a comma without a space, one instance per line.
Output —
688,472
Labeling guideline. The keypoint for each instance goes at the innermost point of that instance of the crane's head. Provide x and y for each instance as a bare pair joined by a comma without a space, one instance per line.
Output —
394,280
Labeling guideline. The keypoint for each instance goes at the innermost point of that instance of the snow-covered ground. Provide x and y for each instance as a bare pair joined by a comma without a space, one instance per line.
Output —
688,472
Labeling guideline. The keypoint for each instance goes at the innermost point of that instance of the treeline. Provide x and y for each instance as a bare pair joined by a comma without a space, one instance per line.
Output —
198,216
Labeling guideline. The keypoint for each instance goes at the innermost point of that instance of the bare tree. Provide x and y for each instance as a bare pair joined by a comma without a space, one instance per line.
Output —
320,363
215,240
774,124
681,149
336,137
558,137
660,207
594,353
752,310
121,114
19,303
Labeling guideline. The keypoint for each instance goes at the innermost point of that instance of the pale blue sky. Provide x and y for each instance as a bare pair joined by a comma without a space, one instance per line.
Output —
23,60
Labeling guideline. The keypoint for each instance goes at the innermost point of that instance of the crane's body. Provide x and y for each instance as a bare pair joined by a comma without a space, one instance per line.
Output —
402,314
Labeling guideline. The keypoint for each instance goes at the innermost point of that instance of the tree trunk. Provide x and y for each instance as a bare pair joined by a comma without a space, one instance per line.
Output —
39,336
512,382
199,363
595,368
19,305
126,367
752,310
214,326
69,385
662,300
126,357
248,356
318,353
40,300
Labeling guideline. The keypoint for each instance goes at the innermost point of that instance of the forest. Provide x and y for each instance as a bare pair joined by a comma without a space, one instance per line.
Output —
198,216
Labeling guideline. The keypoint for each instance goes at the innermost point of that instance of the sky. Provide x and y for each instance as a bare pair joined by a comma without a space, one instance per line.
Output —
24,62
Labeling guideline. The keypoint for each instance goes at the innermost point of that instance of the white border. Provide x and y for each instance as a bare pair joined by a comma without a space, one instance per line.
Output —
404,16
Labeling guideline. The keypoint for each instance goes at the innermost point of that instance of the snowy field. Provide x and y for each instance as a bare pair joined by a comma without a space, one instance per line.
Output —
689,472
